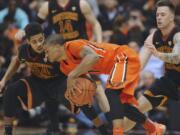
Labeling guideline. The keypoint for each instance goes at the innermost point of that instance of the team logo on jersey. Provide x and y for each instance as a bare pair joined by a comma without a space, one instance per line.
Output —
73,8
157,43
170,43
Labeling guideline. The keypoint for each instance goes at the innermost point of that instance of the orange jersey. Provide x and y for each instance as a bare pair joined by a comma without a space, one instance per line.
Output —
106,51
121,63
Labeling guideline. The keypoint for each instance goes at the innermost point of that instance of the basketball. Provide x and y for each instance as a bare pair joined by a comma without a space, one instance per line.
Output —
85,92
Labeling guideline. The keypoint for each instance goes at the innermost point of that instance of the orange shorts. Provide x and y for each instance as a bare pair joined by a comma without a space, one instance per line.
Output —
125,74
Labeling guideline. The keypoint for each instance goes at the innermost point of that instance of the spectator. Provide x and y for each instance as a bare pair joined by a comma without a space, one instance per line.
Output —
24,5
108,12
34,6
137,28
177,4
20,17
11,30
120,30
6,47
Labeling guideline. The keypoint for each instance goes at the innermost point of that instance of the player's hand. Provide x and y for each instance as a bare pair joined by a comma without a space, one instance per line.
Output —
2,84
71,85
152,48
20,34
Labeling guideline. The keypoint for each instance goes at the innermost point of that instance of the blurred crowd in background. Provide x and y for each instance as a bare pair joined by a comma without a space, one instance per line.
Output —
123,22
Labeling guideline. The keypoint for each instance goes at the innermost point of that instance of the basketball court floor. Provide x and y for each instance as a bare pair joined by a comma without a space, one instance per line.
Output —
38,131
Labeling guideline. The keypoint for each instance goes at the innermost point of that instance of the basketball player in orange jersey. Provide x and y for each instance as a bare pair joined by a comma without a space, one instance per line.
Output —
121,63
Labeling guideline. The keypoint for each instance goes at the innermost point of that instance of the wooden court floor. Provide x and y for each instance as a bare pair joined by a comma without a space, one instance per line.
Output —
38,131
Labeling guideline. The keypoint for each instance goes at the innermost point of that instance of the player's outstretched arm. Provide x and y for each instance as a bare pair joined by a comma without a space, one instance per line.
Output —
145,53
10,71
90,17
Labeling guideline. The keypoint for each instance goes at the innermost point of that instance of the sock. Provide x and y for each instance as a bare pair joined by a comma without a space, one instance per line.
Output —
149,126
117,131
8,129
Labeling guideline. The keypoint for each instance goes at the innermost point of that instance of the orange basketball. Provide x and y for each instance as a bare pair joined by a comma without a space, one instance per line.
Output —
85,92
85,84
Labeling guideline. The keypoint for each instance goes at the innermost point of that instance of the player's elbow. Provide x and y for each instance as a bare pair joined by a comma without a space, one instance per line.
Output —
93,58
96,57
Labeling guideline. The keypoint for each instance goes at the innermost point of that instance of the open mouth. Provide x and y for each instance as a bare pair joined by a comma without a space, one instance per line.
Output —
159,23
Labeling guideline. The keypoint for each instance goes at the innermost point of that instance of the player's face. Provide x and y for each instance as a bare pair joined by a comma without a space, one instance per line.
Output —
164,17
37,42
54,53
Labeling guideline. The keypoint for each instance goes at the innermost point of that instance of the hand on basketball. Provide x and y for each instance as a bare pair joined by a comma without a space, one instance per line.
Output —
71,85
152,48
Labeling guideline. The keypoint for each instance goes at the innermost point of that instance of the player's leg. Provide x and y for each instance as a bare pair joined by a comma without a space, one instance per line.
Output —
52,111
100,95
91,113
144,106
14,97
101,98
116,113
125,76
53,92
134,114
156,96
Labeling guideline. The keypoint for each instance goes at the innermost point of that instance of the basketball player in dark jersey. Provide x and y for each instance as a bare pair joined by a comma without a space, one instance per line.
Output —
68,17
42,85
164,43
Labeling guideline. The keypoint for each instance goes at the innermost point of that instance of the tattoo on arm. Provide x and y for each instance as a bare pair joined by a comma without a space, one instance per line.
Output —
173,57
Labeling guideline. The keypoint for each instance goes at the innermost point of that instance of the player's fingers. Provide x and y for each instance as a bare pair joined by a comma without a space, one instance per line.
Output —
73,91
77,88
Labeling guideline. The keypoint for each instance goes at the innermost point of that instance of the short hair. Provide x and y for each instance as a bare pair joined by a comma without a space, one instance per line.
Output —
118,22
33,29
166,3
55,39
